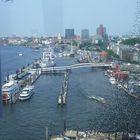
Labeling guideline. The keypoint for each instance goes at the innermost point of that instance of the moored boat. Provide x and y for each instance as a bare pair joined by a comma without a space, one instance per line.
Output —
10,91
48,59
26,93
112,80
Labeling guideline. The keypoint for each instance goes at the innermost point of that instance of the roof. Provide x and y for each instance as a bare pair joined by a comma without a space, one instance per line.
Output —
10,83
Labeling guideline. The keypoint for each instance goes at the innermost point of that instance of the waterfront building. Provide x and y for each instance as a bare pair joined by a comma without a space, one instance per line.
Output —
69,33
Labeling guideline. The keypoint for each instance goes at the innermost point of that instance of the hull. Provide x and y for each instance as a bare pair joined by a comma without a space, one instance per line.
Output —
112,81
26,97
10,92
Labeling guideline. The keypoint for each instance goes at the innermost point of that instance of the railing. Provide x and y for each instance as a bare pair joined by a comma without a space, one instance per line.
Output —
75,66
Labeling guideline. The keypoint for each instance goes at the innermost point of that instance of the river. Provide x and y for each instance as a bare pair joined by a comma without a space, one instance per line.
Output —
29,119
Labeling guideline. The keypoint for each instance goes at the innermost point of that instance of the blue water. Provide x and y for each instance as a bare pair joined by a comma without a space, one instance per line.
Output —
28,120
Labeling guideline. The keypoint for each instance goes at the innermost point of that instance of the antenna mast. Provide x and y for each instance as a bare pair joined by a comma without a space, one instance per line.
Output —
137,19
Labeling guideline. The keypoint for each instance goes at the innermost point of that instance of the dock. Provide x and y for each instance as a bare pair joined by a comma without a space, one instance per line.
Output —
123,88
91,135
61,99
26,76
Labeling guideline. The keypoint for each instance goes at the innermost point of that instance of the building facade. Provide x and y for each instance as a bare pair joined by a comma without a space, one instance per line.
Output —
101,31
69,33
85,34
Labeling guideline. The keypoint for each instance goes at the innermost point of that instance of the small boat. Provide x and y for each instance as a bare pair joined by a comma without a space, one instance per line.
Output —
119,85
97,98
112,80
61,99
20,54
105,73
26,93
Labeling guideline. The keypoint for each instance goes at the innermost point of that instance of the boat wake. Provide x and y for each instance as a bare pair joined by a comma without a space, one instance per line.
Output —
97,99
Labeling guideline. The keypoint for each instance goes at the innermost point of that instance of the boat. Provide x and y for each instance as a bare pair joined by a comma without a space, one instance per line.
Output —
26,93
105,73
48,59
119,85
61,100
97,98
20,54
112,80
10,91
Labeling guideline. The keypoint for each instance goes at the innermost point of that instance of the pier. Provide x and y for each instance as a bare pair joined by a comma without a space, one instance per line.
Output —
26,76
92,135
61,100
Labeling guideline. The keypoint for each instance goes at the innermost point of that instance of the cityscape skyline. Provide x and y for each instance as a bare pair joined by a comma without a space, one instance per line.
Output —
47,18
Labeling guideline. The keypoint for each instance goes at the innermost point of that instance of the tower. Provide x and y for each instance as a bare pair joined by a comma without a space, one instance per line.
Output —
101,30
137,19
69,33
85,34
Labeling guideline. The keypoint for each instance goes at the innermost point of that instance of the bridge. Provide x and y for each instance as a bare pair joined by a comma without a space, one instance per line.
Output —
75,66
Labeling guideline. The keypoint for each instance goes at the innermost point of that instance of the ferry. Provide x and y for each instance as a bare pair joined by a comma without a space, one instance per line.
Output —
26,93
10,91
112,80
97,98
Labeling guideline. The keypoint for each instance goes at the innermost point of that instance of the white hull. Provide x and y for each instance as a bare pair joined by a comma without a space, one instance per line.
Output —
26,93
26,97
10,91
112,80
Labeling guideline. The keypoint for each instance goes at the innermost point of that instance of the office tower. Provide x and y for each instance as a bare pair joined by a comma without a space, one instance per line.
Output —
85,34
101,30
69,33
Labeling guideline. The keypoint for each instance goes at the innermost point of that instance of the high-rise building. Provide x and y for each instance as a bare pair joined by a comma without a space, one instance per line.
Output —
101,30
85,34
69,33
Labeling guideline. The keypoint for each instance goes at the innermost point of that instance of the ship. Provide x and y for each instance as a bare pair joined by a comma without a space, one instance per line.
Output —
48,58
26,93
10,91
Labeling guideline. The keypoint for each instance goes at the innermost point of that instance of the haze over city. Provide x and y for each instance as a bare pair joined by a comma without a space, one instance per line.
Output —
48,17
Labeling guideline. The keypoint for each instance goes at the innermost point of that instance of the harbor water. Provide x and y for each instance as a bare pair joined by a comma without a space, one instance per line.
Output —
29,119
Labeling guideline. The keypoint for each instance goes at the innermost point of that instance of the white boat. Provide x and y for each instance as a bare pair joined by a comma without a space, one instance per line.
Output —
10,91
20,54
105,73
112,80
119,85
60,99
48,59
26,93
97,98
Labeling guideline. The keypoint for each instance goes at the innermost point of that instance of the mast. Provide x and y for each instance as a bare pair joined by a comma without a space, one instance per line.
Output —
137,19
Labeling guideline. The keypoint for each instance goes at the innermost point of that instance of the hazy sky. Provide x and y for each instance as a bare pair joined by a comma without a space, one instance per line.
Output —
48,17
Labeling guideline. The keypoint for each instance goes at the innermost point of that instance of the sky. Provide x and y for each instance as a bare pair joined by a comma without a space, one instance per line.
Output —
50,17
